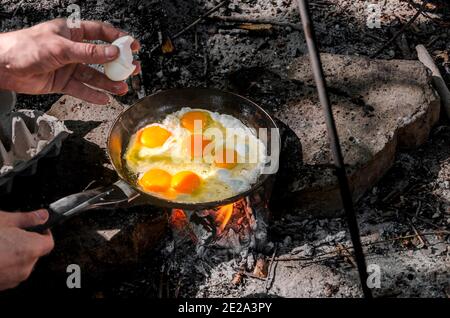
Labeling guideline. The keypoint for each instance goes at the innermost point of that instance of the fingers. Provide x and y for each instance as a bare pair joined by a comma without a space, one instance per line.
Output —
19,251
92,77
138,68
23,220
79,90
41,244
96,30
88,53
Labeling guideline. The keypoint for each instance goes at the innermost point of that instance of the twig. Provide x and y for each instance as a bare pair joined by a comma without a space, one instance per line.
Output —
404,27
438,21
426,221
374,37
161,282
205,65
196,41
437,78
19,6
419,236
245,19
432,40
194,23
89,185
419,208
394,193
177,289
270,276
342,248
251,275
199,19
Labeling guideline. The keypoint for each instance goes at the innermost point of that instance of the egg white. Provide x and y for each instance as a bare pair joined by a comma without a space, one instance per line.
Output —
217,183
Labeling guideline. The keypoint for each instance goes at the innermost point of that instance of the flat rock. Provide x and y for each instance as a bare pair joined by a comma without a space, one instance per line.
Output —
380,107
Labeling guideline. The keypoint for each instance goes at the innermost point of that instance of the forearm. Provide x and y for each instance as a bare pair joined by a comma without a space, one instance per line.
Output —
6,43
20,60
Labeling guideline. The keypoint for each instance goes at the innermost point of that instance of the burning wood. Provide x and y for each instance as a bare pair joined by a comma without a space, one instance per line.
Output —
235,226
223,216
180,223
215,220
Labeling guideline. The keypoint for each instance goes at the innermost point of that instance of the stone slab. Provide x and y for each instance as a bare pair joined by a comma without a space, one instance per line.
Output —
380,107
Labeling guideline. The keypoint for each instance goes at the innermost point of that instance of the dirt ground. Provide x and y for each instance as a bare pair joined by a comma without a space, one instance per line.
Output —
414,197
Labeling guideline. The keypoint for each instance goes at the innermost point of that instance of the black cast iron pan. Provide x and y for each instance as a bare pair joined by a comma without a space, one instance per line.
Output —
153,109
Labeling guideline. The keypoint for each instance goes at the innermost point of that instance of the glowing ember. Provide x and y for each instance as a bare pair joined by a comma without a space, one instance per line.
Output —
224,226
234,227
178,219
223,216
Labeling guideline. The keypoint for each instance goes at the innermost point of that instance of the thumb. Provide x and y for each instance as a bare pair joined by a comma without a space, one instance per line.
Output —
89,53
24,219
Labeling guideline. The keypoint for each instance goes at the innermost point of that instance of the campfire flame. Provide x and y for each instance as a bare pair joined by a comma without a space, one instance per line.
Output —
223,216
232,226
178,219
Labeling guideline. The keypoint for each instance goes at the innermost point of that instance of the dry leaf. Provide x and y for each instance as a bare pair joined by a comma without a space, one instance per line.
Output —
430,6
167,46
261,268
237,279
442,55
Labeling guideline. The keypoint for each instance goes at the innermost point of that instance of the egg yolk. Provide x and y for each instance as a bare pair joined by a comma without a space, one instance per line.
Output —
226,158
156,180
185,182
189,119
154,136
197,145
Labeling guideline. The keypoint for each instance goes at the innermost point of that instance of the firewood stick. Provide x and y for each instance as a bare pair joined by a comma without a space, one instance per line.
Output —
270,276
245,19
423,243
438,80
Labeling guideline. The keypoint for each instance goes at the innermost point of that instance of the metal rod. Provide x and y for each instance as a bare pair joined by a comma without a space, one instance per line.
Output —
346,195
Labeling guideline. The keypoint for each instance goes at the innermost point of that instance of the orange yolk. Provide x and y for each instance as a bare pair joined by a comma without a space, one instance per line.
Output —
153,136
185,182
156,180
188,120
226,158
198,144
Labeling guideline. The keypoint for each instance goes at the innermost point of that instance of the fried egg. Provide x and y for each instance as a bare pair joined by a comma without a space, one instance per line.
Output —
195,155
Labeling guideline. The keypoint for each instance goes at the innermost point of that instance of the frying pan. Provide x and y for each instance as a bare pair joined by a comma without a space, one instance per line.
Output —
151,109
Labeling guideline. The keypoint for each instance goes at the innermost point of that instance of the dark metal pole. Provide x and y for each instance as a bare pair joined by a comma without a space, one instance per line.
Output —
346,195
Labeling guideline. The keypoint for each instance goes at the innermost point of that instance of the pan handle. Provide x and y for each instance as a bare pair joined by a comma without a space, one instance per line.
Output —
119,193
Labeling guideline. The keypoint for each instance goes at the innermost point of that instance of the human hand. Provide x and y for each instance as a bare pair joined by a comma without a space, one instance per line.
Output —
51,58
19,249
